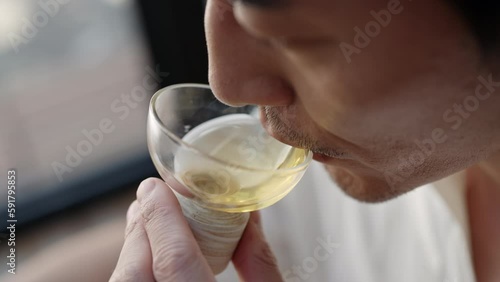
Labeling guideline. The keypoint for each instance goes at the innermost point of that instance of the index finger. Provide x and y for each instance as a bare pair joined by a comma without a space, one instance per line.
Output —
134,263
176,255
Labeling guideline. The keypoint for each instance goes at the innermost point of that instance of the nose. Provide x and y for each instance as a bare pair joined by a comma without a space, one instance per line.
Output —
243,69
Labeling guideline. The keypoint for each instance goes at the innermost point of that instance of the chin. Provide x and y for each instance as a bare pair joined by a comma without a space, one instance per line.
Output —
364,187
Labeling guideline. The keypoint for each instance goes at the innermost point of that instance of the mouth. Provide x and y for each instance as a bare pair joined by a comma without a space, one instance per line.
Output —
282,131
322,158
276,133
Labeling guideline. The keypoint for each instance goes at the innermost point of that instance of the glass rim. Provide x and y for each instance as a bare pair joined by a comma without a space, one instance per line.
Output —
182,143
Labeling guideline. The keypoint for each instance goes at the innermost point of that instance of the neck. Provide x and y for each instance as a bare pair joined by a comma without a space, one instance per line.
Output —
491,167
483,200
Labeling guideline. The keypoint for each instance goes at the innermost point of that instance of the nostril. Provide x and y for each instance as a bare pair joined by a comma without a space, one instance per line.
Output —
267,91
262,91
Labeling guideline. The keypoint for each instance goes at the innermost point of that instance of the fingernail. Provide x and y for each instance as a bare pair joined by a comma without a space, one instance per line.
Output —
145,188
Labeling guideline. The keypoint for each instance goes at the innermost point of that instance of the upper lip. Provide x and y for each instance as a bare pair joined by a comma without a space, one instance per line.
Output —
317,151
278,137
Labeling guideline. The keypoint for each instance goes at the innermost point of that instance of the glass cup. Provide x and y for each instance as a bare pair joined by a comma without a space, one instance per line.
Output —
216,155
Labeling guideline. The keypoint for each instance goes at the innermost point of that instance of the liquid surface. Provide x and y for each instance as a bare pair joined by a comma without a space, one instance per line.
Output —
248,174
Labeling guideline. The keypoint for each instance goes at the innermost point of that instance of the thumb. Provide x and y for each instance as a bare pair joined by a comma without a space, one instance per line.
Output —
253,258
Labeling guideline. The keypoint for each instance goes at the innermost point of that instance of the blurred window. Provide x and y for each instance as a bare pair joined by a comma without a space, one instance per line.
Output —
75,82
76,77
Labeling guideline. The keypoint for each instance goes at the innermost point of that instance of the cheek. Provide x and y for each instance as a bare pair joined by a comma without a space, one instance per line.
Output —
397,84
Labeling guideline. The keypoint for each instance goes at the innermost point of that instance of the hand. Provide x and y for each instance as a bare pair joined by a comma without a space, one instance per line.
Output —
159,245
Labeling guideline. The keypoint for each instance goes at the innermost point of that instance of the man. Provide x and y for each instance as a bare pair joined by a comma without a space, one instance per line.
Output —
390,95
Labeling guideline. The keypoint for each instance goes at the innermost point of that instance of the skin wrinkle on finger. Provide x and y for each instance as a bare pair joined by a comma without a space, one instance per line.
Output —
256,218
133,210
132,226
133,218
158,216
176,255
264,254
254,258
129,273
135,258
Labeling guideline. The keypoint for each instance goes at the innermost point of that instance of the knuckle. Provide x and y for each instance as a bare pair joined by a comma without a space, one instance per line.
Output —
174,260
151,210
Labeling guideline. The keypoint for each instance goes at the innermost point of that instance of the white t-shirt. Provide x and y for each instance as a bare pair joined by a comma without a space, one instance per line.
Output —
319,234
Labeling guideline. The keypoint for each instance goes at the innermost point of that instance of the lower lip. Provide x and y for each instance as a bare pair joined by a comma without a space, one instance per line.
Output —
265,124
322,158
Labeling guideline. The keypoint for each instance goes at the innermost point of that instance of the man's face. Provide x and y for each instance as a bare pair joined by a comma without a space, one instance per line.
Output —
389,94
